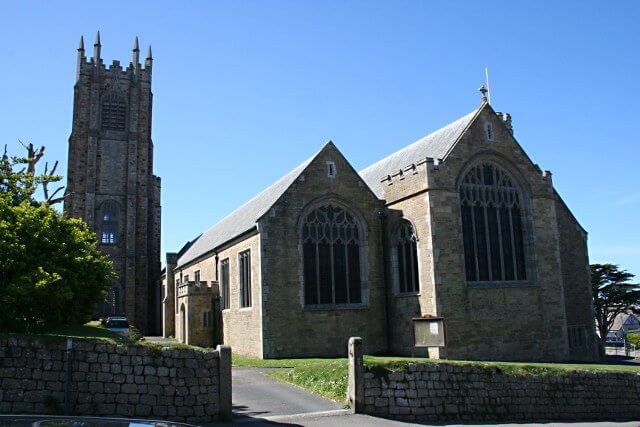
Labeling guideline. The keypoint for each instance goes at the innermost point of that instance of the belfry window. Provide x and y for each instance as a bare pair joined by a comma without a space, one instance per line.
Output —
114,111
492,226
331,244
109,230
406,257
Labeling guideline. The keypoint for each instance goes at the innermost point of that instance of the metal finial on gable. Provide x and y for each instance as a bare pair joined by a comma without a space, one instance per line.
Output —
483,91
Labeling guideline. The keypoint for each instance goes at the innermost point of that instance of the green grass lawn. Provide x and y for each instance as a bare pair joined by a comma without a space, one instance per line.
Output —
392,364
95,330
89,330
328,377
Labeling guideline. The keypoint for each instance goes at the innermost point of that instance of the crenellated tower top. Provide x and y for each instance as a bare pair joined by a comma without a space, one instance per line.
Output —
94,66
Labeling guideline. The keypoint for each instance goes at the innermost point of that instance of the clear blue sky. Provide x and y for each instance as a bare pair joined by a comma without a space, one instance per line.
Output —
245,91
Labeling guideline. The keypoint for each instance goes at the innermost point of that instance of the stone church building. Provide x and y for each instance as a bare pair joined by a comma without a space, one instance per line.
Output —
110,181
460,224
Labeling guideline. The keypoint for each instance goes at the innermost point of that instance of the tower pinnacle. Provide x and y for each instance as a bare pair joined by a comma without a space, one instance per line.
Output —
149,60
81,47
136,55
96,50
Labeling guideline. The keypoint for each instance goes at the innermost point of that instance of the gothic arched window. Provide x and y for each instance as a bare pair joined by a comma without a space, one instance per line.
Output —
114,112
406,257
492,226
109,229
331,244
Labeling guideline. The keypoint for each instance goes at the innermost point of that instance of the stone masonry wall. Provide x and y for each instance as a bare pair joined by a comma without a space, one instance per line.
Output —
113,380
448,392
290,327
577,284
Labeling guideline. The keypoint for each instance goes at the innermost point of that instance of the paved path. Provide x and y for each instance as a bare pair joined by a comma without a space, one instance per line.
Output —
256,394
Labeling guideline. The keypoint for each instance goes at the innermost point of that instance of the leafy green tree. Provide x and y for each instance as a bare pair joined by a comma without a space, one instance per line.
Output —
51,270
634,339
612,295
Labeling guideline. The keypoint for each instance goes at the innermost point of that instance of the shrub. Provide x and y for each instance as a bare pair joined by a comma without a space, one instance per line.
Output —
51,270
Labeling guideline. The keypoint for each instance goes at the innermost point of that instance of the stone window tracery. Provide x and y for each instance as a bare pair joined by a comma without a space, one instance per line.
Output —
406,257
492,226
109,229
331,243
114,112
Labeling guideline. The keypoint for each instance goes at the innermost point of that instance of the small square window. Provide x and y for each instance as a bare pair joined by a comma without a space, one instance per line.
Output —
331,169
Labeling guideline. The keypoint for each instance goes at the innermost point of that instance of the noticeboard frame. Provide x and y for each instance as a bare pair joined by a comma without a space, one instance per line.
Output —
413,332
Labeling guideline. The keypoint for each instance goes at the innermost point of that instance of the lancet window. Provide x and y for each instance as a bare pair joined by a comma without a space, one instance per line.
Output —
331,242
109,234
406,256
492,226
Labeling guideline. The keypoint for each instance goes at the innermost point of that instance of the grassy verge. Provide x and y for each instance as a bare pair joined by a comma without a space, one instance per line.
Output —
380,365
329,377
95,330
91,330
325,377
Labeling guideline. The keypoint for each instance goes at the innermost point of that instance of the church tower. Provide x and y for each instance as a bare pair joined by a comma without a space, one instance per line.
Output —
110,181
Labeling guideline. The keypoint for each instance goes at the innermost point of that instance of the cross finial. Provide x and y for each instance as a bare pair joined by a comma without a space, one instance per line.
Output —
483,91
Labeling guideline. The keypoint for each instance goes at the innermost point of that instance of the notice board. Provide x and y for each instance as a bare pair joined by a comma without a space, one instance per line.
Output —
429,332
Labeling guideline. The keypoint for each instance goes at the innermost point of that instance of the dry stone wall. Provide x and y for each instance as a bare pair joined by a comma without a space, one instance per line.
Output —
113,380
448,392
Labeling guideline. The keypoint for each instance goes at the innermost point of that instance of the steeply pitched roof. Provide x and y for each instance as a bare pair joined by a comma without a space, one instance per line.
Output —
244,218
436,145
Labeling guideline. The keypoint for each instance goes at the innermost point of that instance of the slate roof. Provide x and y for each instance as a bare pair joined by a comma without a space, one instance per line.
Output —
435,145
244,218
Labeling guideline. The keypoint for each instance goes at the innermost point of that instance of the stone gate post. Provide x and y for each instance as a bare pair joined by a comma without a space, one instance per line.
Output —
355,390
224,364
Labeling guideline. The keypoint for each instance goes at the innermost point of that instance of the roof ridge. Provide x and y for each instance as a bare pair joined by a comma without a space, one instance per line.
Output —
195,251
437,144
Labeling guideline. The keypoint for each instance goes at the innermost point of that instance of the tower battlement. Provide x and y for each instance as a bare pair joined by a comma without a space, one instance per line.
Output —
95,66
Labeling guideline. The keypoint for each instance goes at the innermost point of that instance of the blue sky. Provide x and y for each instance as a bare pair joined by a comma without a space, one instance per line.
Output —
245,91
